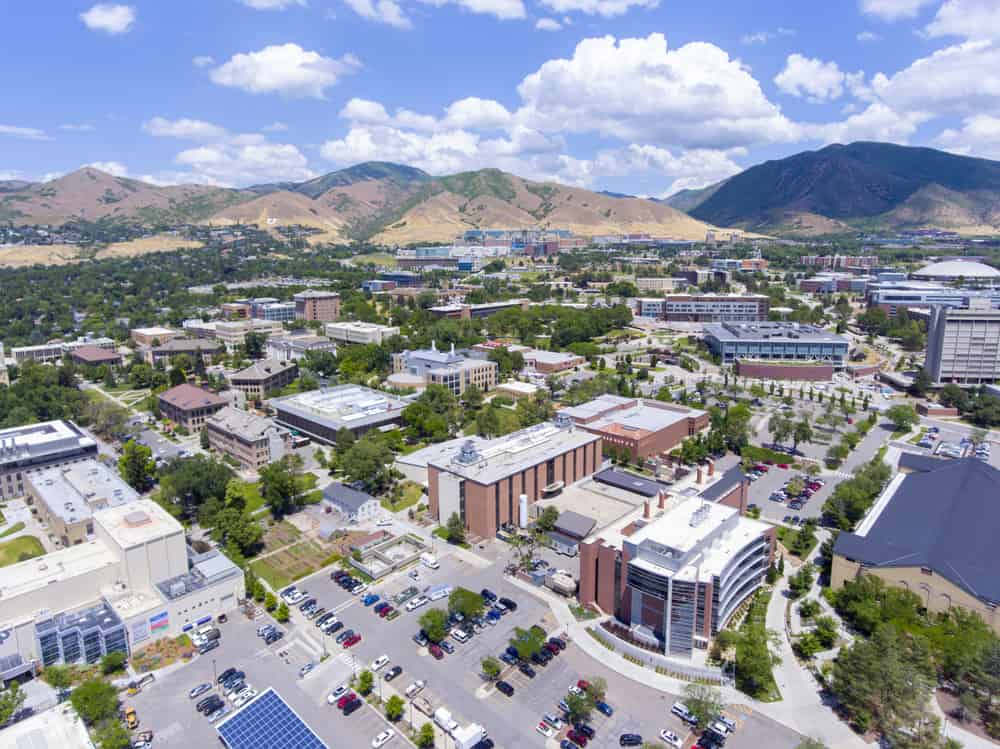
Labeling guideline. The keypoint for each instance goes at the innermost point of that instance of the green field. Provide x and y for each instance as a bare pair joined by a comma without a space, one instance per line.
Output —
16,528
19,550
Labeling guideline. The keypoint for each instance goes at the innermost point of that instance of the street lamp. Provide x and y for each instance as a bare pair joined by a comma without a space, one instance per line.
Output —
215,676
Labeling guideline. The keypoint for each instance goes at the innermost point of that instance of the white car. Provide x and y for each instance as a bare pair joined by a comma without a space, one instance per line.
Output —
554,721
574,689
380,662
720,728
384,522
359,590
336,694
244,697
671,739
415,688
545,729
681,711
416,603
383,738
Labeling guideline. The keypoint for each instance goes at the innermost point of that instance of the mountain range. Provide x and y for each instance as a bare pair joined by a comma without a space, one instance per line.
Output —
858,186
379,201
835,190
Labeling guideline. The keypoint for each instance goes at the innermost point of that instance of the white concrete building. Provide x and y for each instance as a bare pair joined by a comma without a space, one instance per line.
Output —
360,332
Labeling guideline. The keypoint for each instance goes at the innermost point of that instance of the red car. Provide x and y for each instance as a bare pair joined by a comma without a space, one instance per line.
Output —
762,467
783,465
385,612
552,648
350,642
436,651
576,737
342,702
583,684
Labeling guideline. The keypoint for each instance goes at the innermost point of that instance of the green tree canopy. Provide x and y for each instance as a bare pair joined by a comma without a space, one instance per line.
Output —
136,465
434,623
95,700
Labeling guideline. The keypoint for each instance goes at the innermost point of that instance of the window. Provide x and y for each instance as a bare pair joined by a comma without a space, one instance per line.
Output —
926,571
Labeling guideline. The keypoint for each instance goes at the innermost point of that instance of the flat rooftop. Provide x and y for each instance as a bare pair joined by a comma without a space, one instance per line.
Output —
37,442
137,523
596,407
241,423
59,728
355,325
686,525
74,492
774,331
486,461
550,357
350,406
65,564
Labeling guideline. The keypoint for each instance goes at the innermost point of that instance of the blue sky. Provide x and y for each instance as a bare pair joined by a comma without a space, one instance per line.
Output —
639,96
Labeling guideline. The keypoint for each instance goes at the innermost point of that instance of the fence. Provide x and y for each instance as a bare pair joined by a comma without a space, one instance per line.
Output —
658,662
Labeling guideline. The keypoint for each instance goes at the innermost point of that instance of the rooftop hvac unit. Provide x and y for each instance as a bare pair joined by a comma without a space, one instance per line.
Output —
177,589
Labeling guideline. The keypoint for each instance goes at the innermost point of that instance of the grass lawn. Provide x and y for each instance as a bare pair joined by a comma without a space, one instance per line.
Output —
767,691
412,492
917,437
20,549
16,528
2,518
788,536
294,563
442,533
378,258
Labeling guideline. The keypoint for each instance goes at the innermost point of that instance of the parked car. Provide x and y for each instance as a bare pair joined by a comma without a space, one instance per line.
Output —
306,669
505,688
415,688
393,672
681,711
352,706
345,699
545,729
336,694
199,690
671,739
380,662
630,739
436,651
576,737
447,647
604,708
488,595
527,670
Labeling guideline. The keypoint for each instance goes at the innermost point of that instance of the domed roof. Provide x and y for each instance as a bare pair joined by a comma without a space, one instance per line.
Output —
958,269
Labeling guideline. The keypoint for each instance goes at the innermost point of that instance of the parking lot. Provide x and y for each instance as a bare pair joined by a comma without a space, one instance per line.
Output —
453,682
775,512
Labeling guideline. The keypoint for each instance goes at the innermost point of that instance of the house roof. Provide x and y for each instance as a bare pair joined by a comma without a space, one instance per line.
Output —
346,497
263,370
944,519
188,397
95,354
733,477
574,524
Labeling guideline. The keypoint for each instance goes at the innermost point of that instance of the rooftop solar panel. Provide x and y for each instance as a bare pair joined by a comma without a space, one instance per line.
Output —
631,483
267,722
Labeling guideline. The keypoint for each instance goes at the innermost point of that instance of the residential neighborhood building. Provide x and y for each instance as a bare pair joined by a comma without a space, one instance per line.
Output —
638,427
360,332
323,306
453,370
252,440
264,377
66,497
37,446
676,580
354,506
932,531
482,479
963,344
320,414
189,406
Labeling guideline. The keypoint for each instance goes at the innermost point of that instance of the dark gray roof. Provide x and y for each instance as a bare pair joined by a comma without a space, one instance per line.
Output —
944,519
630,482
916,463
563,539
724,485
346,497
574,524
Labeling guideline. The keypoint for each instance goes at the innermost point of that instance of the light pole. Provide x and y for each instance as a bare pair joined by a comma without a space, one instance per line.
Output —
215,676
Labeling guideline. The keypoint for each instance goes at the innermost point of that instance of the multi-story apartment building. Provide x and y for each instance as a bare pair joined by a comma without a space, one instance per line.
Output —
37,446
715,308
264,377
453,370
676,580
252,440
360,332
189,406
66,497
963,344
317,305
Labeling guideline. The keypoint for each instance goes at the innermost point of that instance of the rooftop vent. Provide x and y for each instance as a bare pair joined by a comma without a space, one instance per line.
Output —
468,454
137,518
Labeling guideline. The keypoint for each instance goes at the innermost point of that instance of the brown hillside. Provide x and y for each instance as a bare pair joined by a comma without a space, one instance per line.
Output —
283,207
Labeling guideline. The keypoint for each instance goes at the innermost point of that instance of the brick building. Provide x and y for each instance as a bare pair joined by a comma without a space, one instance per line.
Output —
189,406
262,378
252,440
639,426
317,305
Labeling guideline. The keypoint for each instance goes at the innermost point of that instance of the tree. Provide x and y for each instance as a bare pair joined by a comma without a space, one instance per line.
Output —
366,680
58,677
465,602
800,583
580,707
455,529
547,519
11,700
113,735
780,427
192,482
95,700
425,737
921,383
434,623
279,485
903,416
270,601
136,465
491,668
394,708
203,439
704,702
254,343
369,461
473,398
597,688
281,615
527,642
113,662
802,433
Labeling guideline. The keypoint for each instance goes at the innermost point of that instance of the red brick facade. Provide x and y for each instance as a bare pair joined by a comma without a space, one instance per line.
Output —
776,371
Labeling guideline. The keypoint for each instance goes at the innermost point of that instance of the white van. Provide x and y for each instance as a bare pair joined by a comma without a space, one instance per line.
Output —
429,560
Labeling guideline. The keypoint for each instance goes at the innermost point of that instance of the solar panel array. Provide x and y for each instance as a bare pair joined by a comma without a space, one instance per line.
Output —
267,722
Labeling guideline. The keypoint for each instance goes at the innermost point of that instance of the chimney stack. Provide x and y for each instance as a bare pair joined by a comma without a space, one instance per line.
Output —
698,480
663,499
711,468
645,510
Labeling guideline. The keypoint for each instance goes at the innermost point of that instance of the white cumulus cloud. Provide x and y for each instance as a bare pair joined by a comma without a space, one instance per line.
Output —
866,37
111,19
505,10
893,10
972,19
547,24
604,8
388,12
811,78
114,168
978,136
477,114
763,37
203,61
188,129
285,69
271,4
